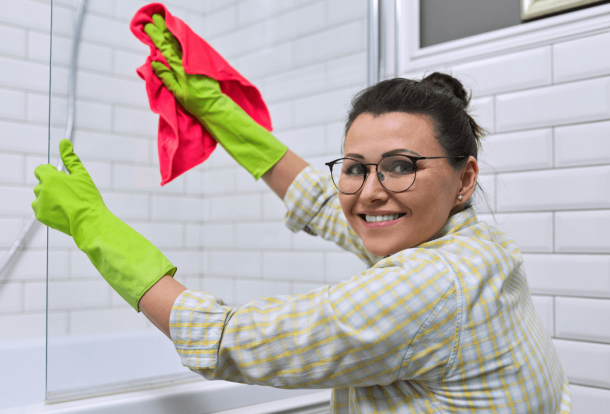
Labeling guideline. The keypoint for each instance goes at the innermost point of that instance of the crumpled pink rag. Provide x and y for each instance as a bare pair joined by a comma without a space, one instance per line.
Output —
183,142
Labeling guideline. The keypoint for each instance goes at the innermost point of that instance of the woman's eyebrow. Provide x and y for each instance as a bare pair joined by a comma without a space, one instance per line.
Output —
386,154
398,151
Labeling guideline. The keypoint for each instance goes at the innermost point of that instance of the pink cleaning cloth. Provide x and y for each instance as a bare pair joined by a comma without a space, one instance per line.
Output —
183,142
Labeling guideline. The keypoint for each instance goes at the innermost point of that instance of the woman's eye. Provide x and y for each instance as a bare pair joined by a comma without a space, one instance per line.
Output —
402,168
355,169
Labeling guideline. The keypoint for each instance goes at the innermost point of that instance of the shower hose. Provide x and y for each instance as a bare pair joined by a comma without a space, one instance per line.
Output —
6,260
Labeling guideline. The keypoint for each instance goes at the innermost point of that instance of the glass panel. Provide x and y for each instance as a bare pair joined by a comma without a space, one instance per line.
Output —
97,343
307,58
24,91
442,21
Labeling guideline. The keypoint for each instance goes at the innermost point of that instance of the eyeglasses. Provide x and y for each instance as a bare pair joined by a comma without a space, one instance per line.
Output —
396,173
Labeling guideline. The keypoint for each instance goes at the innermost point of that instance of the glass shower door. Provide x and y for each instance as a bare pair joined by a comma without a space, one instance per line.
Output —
24,87
97,344
308,59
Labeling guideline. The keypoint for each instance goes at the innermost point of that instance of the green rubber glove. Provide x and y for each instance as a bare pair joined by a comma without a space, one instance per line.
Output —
73,205
251,145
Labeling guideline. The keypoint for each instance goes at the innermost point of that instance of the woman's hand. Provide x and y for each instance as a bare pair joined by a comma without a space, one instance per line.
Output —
63,199
251,145
73,205
196,93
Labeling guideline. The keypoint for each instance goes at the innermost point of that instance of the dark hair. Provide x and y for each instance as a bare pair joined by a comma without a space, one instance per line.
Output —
440,97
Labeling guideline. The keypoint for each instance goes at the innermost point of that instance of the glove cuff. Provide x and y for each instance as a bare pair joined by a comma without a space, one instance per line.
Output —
128,262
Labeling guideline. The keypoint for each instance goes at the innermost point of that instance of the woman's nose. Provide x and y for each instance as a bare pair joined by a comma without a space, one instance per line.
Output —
372,190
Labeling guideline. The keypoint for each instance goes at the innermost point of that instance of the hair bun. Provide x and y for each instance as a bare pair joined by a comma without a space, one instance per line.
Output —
449,83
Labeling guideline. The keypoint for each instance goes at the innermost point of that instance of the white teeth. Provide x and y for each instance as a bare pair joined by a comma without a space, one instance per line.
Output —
374,219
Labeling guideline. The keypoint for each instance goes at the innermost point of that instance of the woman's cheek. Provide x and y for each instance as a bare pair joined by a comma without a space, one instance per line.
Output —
347,203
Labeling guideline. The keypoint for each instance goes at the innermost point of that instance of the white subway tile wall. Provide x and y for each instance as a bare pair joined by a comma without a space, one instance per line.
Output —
545,165
547,110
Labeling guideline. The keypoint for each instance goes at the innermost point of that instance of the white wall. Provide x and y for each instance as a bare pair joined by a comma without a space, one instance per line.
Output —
24,81
308,58
546,164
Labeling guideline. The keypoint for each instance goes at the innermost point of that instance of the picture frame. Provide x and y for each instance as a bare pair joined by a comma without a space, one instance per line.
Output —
532,9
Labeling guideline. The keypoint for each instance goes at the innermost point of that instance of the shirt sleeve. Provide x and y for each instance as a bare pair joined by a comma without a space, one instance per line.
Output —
313,206
361,332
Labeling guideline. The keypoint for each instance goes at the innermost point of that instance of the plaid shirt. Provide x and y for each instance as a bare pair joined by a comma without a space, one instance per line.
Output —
444,327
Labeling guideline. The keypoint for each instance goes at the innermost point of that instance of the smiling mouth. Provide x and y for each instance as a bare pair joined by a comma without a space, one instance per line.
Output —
382,218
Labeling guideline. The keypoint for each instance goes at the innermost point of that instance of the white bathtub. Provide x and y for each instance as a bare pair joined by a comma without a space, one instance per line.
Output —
98,370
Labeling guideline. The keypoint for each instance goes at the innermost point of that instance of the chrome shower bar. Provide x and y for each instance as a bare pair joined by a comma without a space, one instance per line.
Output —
373,54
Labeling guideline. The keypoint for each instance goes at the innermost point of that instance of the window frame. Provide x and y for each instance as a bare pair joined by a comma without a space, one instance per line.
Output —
413,60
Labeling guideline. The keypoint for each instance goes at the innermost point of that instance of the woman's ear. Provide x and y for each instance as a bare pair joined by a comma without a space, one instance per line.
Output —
468,181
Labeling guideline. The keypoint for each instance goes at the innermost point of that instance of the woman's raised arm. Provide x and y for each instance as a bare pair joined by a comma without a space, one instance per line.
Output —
282,174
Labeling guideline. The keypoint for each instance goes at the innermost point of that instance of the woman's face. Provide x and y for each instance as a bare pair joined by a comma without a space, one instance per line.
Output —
425,207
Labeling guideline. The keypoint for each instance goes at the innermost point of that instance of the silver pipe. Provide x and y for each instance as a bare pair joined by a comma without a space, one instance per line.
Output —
29,225
373,42
82,5
397,43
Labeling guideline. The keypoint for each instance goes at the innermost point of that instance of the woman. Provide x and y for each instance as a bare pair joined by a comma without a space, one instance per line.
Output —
442,321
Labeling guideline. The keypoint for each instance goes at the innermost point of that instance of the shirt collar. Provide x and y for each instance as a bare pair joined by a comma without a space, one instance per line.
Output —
457,222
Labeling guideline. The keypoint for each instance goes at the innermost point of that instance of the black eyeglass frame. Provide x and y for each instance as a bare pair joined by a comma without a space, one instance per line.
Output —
367,171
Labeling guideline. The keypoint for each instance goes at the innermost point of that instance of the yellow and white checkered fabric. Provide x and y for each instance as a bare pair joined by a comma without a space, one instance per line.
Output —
445,327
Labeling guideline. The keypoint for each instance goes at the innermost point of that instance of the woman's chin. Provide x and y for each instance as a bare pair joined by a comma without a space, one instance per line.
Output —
385,246
384,241
382,249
